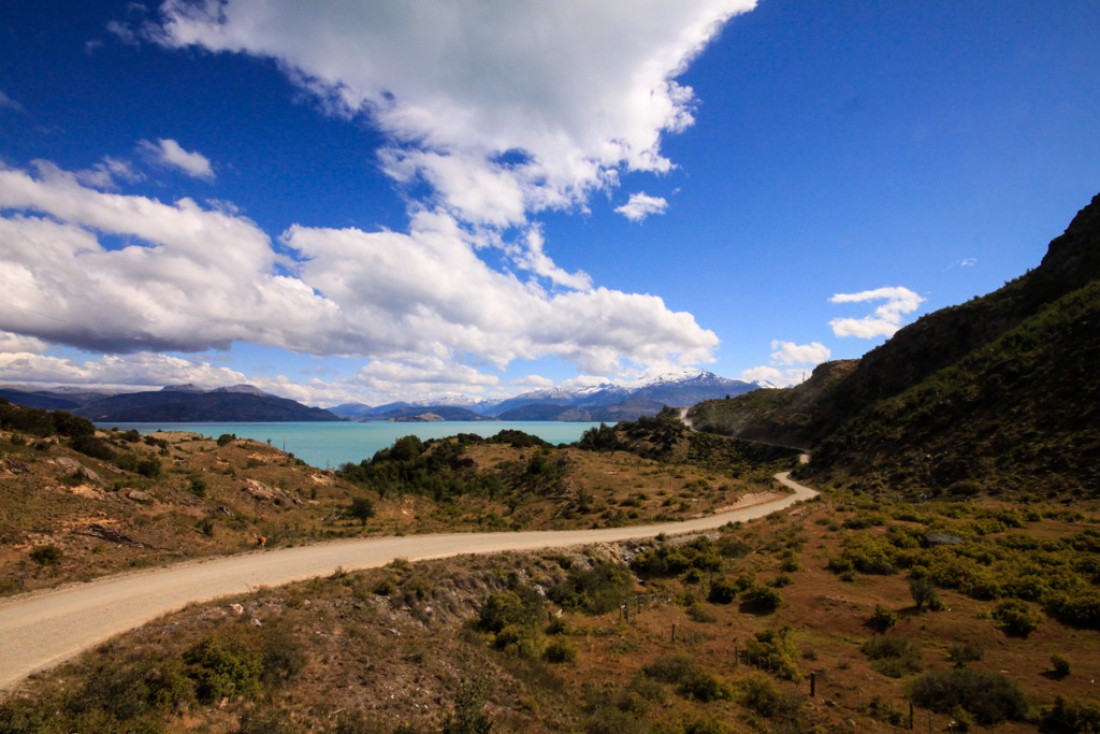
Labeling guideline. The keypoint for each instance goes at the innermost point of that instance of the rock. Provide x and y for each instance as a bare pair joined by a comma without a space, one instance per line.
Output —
237,609
72,466
266,493
138,495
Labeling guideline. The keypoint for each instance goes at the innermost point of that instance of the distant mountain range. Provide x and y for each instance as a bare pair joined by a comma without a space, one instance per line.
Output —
173,404
189,403
608,402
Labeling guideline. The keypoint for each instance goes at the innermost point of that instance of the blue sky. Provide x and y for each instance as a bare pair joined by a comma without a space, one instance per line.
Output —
390,200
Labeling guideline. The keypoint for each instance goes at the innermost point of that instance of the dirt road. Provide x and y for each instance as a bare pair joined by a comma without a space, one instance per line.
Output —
43,629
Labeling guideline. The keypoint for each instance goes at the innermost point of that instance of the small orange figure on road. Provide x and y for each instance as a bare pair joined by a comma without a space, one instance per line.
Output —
262,542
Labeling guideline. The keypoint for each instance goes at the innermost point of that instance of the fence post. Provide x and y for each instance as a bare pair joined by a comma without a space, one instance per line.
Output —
813,684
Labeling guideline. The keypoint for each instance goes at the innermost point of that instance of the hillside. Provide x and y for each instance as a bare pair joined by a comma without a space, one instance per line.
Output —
79,503
182,406
994,394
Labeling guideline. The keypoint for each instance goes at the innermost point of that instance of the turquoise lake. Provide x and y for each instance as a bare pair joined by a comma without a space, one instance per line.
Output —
328,445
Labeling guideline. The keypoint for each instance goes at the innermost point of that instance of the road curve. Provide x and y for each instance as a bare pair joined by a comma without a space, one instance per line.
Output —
43,629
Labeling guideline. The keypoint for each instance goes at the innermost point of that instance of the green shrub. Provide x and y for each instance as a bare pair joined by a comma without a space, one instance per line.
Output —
671,668
702,686
599,589
559,651
93,446
893,655
990,697
882,619
761,696
46,555
924,593
721,591
226,438
761,600
197,486
1070,717
1060,667
225,666
1017,617
774,652
961,653
883,711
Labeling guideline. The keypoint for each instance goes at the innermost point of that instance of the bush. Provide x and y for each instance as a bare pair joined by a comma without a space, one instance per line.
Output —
197,486
760,695
893,655
46,555
559,651
1060,667
924,594
774,652
990,697
599,589
93,446
362,509
762,600
225,666
721,592
226,438
961,653
671,668
704,687
1070,717
882,619
1017,617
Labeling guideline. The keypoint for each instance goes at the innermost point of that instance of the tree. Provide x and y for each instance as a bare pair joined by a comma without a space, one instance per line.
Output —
362,509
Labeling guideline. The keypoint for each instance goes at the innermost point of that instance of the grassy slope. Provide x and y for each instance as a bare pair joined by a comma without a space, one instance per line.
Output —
400,648
102,518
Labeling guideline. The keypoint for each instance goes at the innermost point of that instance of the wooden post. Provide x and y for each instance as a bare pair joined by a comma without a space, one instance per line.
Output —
910,717
674,633
813,684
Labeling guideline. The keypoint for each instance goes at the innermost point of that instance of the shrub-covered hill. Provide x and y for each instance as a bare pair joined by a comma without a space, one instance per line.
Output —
721,633
76,502
996,393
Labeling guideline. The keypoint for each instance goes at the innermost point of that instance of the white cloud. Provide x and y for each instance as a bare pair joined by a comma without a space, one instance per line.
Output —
788,353
641,205
533,381
186,278
107,173
169,153
132,371
577,91
15,343
885,320
969,262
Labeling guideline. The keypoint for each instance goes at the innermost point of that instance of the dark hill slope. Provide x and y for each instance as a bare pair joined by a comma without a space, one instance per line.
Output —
1020,414
993,393
168,406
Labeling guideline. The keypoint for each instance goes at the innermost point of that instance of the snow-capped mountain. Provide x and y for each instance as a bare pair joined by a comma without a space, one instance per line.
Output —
606,402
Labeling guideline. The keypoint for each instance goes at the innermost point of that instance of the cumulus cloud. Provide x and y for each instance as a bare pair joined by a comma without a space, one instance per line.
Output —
134,371
796,361
641,205
122,273
885,320
788,353
578,91
170,153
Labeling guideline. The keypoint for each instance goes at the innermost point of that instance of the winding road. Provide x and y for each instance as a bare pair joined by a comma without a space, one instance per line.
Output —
43,629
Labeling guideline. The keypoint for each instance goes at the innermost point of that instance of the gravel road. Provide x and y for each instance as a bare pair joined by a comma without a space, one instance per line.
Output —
42,629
